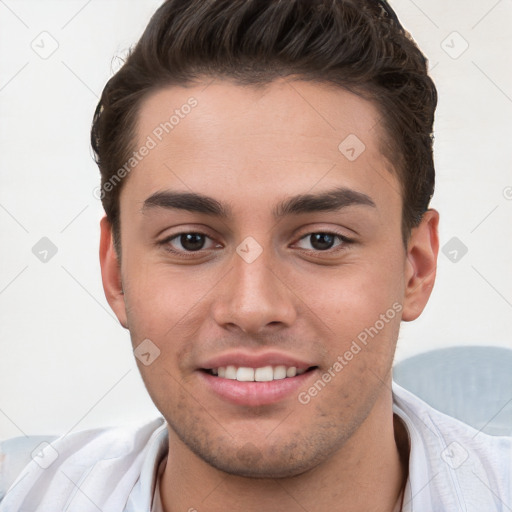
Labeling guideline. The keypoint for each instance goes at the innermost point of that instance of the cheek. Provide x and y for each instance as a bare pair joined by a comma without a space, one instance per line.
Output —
159,298
169,308
353,297
361,312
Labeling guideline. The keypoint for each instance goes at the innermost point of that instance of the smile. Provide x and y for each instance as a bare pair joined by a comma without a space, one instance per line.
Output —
264,385
262,374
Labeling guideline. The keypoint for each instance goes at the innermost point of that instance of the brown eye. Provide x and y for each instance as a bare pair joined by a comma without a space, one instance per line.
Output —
192,241
187,242
324,241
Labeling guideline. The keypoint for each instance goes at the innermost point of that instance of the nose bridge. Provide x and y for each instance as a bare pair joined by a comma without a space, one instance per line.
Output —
253,294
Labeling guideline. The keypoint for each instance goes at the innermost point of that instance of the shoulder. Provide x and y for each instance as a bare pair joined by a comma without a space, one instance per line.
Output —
37,461
455,458
430,422
15,454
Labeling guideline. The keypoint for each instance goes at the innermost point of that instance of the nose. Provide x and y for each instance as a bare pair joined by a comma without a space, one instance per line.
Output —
254,296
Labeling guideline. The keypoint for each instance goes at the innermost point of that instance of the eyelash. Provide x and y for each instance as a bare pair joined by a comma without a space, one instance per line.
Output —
187,254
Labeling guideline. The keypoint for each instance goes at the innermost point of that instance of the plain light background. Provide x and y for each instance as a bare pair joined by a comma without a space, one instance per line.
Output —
65,362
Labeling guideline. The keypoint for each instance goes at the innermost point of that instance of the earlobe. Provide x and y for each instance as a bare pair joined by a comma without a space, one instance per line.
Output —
421,264
111,273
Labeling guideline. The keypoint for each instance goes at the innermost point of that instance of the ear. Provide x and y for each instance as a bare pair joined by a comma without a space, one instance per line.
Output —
421,264
111,272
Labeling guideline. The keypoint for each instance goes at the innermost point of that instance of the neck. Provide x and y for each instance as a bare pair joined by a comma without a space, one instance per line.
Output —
367,474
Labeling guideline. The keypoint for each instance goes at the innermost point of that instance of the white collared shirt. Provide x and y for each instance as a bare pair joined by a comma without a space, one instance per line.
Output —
452,467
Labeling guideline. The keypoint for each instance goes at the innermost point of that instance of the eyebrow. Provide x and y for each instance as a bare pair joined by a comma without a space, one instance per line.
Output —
328,201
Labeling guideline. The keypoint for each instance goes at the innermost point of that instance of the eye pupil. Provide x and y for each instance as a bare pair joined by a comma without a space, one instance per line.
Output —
322,241
192,241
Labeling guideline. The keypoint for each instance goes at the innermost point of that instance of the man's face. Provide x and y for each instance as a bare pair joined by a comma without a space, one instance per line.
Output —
264,285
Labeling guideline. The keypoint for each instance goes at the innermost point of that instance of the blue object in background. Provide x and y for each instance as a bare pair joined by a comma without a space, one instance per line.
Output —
470,383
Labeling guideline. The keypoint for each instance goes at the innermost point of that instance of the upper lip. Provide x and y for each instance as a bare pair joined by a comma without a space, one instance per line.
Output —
251,360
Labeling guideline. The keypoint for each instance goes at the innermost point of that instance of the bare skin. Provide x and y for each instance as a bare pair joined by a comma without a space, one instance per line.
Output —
251,149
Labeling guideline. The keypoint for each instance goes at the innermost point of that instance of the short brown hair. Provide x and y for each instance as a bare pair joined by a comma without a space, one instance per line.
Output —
356,44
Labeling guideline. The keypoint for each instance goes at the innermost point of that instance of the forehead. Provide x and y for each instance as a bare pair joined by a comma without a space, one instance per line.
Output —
292,109
281,138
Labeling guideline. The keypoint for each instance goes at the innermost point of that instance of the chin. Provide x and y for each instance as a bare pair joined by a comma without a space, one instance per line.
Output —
263,468
281,459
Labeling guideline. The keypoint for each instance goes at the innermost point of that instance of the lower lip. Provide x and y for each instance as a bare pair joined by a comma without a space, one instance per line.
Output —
255,393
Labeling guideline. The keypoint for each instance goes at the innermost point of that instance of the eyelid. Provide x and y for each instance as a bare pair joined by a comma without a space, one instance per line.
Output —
328,231
321,227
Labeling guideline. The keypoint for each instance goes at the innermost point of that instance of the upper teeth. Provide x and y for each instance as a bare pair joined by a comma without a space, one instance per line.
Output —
264,374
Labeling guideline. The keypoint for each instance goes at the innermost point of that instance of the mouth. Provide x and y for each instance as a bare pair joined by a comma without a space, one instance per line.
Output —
256,385
267,373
